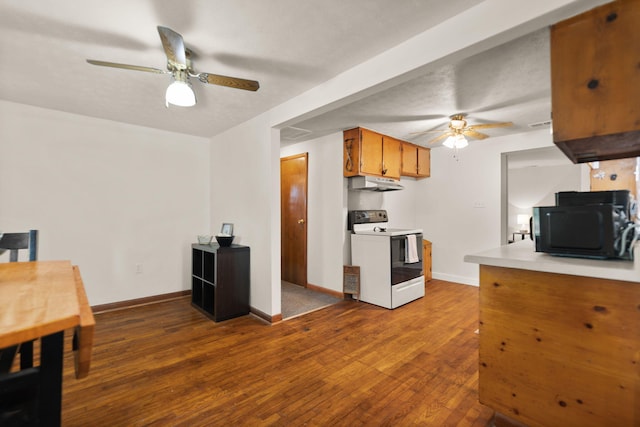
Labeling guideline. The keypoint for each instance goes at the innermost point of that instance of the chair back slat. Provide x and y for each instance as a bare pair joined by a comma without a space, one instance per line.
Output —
16,241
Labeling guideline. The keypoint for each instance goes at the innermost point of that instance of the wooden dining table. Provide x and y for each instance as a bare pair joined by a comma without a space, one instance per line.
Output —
41,300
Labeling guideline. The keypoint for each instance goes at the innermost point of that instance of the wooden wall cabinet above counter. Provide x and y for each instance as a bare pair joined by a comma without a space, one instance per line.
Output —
595,83
416,160
369,153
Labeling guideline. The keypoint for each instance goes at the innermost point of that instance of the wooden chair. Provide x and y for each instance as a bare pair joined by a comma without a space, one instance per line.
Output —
19,390
13,242
16,241
19,398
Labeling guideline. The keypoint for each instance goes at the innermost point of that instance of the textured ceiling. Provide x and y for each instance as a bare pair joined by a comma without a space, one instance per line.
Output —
510,82
289,46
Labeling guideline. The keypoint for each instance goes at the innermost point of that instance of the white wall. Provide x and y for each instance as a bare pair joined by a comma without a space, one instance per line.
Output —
459,205
326,209
109,195
329,200
430,207
400,205
245,168
536,186
106,196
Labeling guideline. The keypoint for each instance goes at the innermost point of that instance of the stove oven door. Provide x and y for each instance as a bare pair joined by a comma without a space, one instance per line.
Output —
401,269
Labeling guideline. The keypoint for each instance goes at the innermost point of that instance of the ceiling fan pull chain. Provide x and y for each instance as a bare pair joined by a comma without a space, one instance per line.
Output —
455,154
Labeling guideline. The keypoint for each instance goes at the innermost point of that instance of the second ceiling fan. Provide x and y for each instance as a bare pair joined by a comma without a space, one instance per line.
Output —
179,65
458,129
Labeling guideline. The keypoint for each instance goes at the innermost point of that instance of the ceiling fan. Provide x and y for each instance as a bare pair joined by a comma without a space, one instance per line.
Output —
179,65
459,128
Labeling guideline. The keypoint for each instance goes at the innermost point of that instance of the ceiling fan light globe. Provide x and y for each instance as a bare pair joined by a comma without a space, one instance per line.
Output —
460,141
181,94
449,142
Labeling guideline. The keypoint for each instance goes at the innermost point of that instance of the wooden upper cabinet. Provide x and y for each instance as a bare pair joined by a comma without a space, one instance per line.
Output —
372,152
409,159
424,161
391,157
369,153
595,83
416,160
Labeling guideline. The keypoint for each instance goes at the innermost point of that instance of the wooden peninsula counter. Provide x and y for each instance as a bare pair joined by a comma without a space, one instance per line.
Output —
559,338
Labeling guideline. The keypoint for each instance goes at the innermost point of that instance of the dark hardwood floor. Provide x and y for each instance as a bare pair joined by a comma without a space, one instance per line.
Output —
351,364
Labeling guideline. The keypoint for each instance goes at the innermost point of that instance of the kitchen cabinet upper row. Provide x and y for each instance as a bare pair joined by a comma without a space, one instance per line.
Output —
416,160
370,153
595,83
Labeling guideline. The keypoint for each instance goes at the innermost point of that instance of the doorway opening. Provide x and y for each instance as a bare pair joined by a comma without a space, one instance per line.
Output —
531,178
293,218
296,298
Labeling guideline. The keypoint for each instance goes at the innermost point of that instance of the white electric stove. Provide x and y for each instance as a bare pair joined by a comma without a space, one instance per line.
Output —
390,259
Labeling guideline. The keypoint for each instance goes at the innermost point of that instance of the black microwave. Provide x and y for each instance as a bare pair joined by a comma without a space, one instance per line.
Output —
585,224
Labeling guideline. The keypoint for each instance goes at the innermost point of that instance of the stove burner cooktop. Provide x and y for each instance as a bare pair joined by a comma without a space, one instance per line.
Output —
375,222
389,231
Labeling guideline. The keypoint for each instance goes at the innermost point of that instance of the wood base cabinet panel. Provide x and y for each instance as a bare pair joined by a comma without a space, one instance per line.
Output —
426,260
220,280
559,350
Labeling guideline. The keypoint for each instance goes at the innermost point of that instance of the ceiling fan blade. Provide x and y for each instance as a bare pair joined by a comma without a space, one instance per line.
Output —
438,138
424,132
491,125
126,66
234,82
428,131
173,47
473,134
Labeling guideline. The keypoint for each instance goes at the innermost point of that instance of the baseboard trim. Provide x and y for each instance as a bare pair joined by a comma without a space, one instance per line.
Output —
121,305
322,290
471,281
266,317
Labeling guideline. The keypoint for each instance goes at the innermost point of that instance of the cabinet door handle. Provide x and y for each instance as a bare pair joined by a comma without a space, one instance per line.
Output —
348,147
301,221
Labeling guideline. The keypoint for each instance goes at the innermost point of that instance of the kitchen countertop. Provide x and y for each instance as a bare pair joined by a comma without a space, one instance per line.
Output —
522,255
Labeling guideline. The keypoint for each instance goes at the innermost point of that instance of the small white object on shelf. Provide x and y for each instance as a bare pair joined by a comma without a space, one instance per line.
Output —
205,239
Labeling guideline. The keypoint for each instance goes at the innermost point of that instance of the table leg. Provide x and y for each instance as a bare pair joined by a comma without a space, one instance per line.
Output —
51,357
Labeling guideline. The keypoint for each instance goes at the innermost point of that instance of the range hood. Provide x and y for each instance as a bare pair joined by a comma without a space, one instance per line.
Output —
373,183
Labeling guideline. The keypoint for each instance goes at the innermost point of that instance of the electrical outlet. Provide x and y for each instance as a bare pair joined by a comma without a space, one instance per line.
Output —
138,268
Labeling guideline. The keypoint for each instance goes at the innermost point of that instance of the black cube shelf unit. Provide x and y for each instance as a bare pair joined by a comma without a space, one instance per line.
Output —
220,280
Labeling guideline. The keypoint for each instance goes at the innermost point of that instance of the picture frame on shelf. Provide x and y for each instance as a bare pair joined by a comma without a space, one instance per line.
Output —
227,228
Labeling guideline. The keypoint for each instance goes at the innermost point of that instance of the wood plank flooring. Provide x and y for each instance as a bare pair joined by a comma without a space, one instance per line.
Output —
350,364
